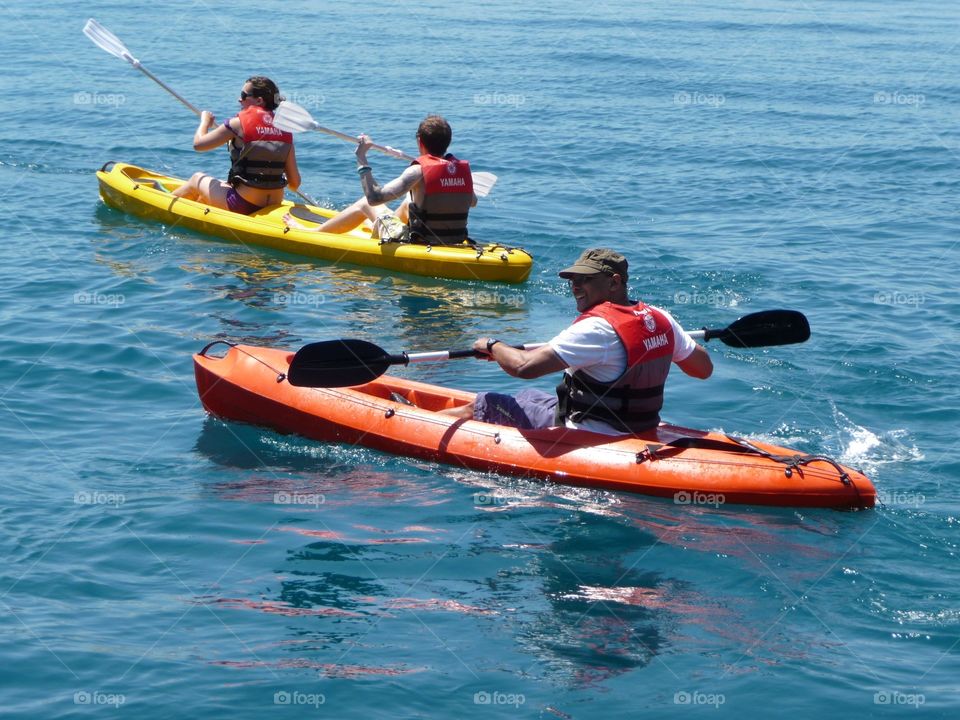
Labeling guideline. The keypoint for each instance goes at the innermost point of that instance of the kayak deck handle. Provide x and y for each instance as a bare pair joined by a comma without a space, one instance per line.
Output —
203,353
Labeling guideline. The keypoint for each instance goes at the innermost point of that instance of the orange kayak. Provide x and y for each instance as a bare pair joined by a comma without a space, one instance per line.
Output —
249,384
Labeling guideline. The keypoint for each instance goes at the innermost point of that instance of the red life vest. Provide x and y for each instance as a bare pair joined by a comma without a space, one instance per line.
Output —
632,402
259,156
448,196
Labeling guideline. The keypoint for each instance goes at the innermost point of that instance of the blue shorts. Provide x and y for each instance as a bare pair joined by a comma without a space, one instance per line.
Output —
528,409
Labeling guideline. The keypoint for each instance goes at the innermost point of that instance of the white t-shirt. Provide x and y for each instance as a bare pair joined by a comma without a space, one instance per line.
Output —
592,345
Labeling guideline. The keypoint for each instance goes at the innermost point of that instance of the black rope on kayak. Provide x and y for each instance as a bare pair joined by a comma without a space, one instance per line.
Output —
792,462
281,376
795,462
203,353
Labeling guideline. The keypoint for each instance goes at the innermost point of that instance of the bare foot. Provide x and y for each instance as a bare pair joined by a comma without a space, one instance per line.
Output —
292,222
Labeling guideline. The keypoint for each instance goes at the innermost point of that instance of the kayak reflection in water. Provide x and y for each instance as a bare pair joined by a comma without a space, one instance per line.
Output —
262,156
615,358
440,188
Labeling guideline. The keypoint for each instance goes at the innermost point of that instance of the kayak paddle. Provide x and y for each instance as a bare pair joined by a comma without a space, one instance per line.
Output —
761,329
106,40
293,118
342,363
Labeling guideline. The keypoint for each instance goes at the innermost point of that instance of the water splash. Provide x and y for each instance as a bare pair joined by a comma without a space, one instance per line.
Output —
861,447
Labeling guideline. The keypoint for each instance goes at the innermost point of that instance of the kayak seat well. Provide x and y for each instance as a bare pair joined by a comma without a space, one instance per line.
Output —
151,182
407,396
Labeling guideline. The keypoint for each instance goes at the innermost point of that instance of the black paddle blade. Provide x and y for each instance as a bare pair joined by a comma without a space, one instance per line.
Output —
339,363
764,329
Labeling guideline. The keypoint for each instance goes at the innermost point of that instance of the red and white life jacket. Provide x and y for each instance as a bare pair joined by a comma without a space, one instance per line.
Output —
632,402
260,154
448,195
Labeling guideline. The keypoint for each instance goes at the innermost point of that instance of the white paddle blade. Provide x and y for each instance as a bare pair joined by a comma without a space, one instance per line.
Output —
106,40
292,118
483,183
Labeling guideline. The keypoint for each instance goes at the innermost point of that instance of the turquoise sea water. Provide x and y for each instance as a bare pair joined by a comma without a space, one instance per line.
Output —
745,156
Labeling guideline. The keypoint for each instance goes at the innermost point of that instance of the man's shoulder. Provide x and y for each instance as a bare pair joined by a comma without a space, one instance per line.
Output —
590,326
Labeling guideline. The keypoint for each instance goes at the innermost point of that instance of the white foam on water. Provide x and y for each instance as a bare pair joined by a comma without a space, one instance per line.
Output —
862,441
850,444
864,449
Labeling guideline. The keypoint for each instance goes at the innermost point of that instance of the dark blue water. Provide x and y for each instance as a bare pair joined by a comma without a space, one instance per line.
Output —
744,157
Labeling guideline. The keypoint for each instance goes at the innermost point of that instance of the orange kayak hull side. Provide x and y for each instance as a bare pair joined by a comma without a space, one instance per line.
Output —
249,385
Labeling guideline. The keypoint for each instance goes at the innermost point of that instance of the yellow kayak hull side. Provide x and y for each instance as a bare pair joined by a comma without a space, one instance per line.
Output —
146,194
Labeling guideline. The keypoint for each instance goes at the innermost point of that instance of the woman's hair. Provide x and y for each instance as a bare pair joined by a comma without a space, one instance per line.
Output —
436,134
267,90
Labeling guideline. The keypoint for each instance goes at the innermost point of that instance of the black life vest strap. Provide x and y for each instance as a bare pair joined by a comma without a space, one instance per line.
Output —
604,390
421,230
427,217
265,163
599,412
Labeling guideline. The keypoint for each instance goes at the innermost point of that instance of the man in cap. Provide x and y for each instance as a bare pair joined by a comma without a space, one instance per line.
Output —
615,359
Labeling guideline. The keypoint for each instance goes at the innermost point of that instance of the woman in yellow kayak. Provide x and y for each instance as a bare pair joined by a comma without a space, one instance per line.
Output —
262,156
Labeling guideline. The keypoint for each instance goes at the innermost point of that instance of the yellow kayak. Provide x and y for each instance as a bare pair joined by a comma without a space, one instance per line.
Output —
147,194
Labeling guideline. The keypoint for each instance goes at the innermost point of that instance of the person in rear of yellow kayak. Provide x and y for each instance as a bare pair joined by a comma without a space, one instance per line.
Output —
262,156
440,188
615,359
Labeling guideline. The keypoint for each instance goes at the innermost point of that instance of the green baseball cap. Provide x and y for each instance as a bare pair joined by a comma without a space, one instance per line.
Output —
598,260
